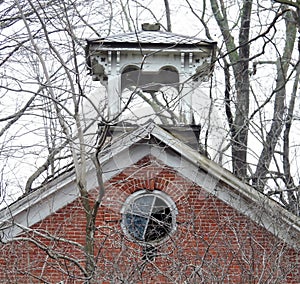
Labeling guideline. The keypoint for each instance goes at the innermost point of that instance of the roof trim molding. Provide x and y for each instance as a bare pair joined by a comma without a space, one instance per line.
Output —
127,150
273,212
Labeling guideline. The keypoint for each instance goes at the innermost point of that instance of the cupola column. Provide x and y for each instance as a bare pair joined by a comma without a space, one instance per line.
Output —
165,67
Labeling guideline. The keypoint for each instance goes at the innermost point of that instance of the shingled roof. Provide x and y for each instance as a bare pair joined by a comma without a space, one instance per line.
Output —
152,37
159,37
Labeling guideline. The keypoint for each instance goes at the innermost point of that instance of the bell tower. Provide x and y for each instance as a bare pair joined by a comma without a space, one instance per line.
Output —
161,69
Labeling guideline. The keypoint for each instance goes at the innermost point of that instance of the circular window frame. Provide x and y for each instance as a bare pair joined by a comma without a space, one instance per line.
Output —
144,193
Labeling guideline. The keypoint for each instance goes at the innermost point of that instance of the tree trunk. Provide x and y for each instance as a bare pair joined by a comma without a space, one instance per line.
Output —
262,169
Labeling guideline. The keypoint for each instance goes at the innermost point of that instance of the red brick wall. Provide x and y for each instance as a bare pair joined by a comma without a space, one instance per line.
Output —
213,243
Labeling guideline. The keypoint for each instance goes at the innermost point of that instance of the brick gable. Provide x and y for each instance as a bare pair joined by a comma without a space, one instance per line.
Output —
213,242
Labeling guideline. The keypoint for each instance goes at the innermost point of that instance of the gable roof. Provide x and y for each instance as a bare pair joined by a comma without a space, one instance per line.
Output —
128,149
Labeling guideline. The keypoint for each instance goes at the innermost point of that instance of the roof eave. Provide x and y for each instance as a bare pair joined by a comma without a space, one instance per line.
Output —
273,212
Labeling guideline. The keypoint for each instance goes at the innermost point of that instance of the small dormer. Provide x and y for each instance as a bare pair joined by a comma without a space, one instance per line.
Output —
165,66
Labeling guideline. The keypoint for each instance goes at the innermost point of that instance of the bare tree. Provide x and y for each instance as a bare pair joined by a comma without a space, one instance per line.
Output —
244,44
45,40
256,38
43,73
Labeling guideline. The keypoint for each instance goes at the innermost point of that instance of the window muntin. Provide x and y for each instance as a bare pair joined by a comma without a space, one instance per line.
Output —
149,216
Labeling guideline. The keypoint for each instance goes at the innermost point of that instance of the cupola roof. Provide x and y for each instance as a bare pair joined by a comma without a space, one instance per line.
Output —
151,34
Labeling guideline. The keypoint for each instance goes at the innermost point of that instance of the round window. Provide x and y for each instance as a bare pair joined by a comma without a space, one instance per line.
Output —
149,216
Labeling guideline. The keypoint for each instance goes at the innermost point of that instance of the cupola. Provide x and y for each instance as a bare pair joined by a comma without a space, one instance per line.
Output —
161,69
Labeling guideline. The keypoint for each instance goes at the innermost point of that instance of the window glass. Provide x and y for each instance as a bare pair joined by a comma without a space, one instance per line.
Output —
149,217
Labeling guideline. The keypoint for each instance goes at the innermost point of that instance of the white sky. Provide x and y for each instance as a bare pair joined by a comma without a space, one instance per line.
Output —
183,22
